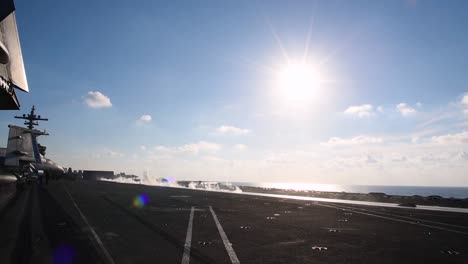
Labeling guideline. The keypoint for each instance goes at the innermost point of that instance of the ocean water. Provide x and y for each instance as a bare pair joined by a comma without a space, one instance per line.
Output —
447,192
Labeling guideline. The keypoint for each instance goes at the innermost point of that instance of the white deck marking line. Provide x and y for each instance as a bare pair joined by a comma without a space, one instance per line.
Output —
188,239
227,244
109,258
405,217
329,200
394,219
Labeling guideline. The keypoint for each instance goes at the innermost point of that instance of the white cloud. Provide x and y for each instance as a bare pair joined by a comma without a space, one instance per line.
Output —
145,118
365,110
97,100
464,100
370,159
361,161
437,157
157,158
231,130
107,153
418,154
193,148
359,140
165,149
240,147
459,138
405,109
143,147
114,154
464,103
396,157
419,104
213,159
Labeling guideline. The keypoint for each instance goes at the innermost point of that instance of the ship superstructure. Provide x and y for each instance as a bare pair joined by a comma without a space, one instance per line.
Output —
24,156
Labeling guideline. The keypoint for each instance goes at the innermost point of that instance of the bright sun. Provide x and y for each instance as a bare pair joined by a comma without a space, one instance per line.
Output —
297,83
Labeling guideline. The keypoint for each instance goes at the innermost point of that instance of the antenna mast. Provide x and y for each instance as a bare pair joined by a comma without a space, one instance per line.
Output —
31,118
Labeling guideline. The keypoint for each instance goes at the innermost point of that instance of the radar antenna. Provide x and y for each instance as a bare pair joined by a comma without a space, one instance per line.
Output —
31,117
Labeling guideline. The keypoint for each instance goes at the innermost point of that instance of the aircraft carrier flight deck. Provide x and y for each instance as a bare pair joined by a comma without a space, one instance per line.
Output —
105,222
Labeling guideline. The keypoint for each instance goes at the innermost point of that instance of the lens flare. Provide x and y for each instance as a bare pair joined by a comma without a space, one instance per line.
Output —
140,201
170,180
64,254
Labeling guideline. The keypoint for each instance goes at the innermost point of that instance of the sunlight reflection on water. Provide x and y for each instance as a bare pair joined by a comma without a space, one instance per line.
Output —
447,192
304,186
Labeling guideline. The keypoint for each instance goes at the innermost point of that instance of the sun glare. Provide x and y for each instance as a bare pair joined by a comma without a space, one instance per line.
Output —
297,83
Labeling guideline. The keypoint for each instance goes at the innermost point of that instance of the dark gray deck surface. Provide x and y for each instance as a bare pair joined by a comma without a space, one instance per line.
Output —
95,222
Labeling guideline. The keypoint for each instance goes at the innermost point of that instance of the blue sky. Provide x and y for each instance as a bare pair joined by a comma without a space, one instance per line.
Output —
190,90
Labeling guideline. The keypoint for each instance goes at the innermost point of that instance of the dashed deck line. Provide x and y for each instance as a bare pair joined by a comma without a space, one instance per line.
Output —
406,217
393,219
